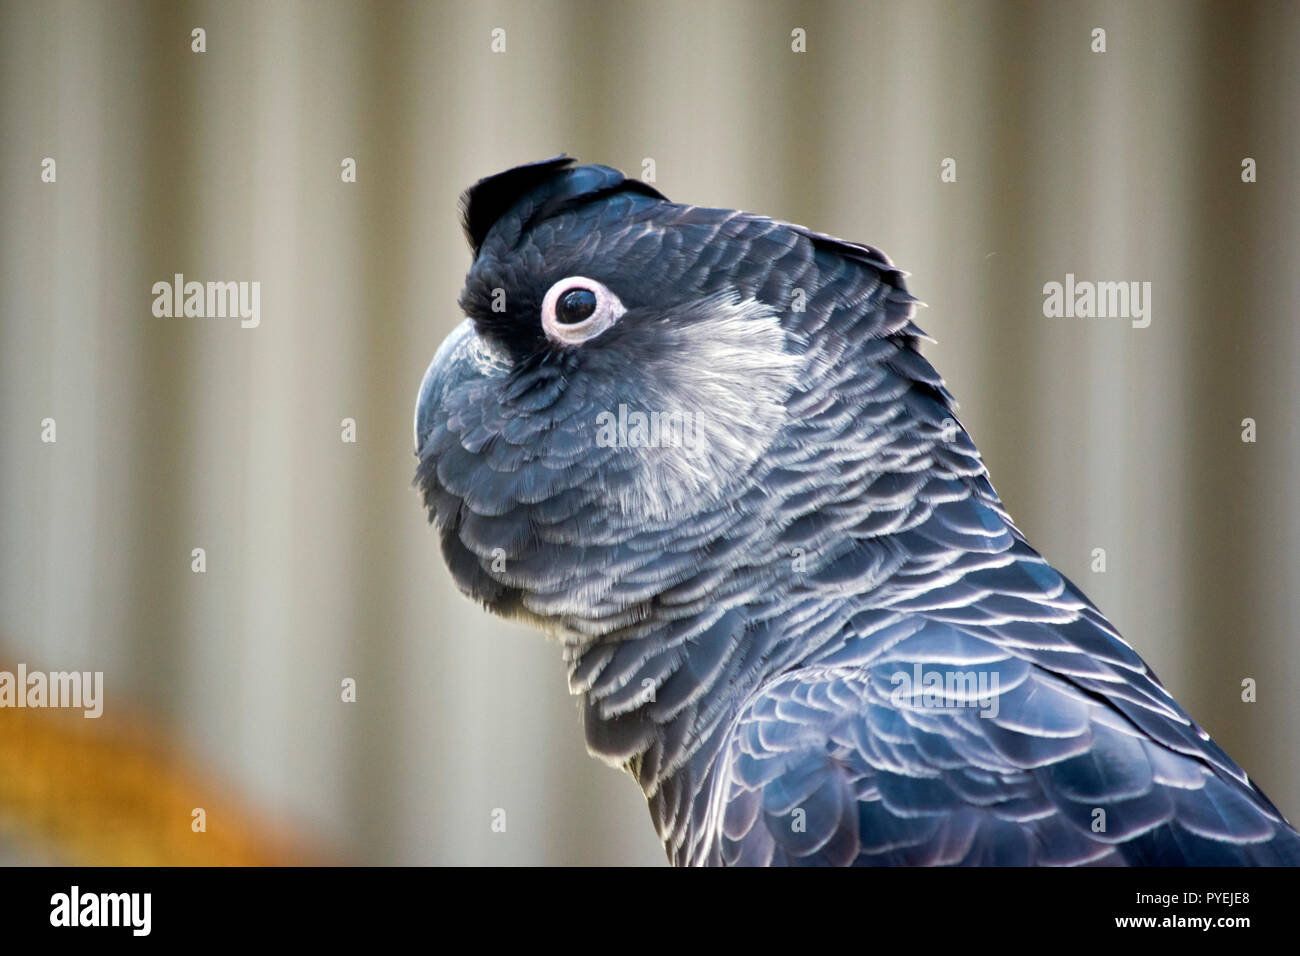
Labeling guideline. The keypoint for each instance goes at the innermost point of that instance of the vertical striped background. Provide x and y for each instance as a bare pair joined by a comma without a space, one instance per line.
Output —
183,433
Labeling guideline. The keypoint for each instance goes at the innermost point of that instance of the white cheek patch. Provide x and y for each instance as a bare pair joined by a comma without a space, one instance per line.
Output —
700,423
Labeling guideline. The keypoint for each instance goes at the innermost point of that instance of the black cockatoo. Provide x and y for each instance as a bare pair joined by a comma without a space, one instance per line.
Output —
702,449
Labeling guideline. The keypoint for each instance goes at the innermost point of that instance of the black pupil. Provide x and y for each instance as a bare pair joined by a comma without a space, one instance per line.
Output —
575,306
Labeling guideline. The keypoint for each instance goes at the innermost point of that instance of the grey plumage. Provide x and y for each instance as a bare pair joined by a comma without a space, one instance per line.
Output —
735,616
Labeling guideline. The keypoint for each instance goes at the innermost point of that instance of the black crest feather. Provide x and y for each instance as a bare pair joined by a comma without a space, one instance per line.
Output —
488,199
484,203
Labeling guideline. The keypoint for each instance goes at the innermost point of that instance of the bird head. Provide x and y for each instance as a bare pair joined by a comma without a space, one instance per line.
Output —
650,407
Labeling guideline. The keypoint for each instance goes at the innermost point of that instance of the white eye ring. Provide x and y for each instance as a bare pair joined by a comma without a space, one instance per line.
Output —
572,320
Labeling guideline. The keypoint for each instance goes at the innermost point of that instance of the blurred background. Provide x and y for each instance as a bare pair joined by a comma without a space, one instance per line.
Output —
222,689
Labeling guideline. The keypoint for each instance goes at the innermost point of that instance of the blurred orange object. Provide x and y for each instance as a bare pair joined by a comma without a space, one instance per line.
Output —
113,792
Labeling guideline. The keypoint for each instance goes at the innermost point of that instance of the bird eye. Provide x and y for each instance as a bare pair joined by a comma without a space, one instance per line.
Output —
577,309
574,306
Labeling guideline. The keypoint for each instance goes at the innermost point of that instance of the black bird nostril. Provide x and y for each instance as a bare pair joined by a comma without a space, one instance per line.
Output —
576,305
